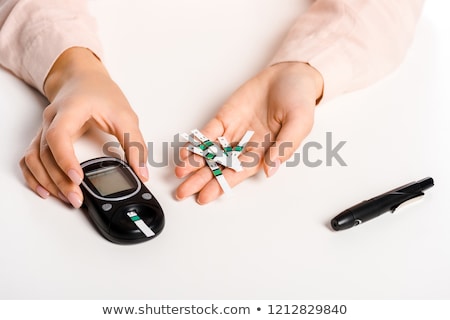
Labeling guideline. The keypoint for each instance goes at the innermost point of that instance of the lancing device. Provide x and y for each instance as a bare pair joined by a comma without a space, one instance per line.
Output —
378,205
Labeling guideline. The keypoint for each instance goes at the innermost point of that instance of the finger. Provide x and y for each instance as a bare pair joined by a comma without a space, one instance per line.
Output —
184,153
30,162
67,189
213,129
189,165
194,183
37,187
57,155
293,130
212,190
58,138
32,183
130,137
189,162
37,178
208,189
233,130
35,173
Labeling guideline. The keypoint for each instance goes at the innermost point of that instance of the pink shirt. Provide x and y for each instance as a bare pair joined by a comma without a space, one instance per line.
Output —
33,33
351,42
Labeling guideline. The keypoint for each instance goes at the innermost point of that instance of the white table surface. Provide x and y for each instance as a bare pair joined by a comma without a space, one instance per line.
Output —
177,61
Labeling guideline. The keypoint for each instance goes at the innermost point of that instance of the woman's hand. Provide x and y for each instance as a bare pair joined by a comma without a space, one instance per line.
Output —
278,105
81,95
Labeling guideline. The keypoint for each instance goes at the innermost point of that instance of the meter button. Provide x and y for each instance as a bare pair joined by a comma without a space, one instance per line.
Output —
146,196
107,206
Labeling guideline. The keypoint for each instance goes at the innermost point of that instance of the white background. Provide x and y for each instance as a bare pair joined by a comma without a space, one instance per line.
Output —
177,61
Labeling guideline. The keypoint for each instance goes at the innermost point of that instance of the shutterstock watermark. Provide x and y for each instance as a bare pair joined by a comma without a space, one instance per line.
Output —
331,152
311,154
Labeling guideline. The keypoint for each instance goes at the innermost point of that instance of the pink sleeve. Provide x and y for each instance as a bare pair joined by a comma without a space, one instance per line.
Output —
33,33
352,43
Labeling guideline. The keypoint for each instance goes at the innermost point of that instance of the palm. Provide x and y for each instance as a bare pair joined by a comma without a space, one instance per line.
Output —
279,109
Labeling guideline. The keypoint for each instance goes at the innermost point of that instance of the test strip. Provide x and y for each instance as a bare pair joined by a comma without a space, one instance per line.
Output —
199,135
241,145
223,159
206,143
225,145
214,155
190,138
204,153
140,224
219,176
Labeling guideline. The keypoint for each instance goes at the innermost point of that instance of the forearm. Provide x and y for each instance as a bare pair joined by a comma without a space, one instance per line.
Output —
352,43
74,63
35,33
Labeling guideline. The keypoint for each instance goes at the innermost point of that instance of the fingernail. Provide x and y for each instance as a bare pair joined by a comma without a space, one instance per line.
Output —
274,169
181,174
74,200
143,171
74,176
178,197
42,192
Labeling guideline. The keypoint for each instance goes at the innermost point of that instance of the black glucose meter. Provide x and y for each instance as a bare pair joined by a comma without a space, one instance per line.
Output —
119,204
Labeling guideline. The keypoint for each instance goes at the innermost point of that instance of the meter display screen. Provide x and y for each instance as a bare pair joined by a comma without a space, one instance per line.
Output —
110,180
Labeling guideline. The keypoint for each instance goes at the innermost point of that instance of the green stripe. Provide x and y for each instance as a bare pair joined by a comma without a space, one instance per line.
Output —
217,172
210,156
238,148
208,143
135,218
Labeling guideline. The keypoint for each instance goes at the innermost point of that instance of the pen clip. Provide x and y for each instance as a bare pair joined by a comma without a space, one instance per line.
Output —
414,197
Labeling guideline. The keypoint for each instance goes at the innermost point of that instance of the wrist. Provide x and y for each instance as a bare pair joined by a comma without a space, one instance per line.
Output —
309,72
73,63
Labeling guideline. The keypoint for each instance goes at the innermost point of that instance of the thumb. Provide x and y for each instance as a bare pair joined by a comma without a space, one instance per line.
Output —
288,139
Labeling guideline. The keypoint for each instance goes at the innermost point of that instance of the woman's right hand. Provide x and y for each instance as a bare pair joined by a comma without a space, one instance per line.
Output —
81,95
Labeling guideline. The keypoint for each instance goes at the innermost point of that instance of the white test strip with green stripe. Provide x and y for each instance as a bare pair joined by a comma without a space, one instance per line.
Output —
199,135
140,224
219,176
190,138
223,159
204,153
241,145
206,144
225,145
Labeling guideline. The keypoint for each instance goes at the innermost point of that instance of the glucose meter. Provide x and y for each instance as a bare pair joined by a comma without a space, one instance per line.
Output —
119,204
